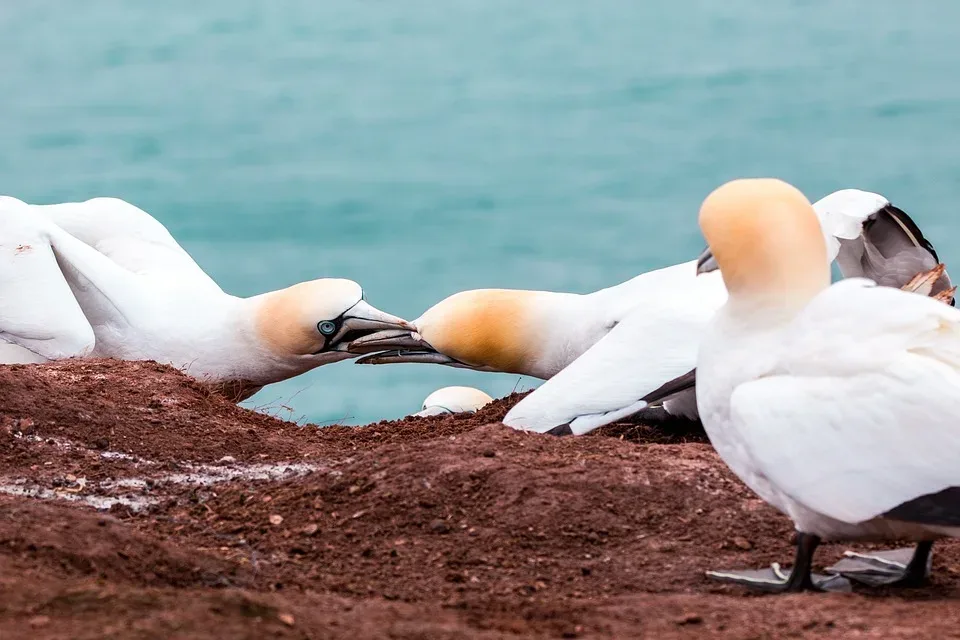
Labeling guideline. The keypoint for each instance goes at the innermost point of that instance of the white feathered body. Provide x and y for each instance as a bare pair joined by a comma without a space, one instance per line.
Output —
104,278
841,413
655,342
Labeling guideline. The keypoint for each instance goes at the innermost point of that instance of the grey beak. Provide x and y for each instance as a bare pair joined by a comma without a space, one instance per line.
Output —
395,339
399,357
363,317
395,347
706,262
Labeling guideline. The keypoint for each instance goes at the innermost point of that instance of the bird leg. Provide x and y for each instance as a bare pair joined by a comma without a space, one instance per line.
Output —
900,568
799,578
923,282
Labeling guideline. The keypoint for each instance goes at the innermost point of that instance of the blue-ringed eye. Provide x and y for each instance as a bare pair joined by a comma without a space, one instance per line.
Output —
327,328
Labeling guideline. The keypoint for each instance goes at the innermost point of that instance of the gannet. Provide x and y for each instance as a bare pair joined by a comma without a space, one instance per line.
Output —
617,352
835,404
644,364
534,333
453,400
103,278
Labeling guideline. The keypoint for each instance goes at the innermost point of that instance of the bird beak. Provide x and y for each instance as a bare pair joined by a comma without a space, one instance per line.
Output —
362,320
390,340
706,262
398,346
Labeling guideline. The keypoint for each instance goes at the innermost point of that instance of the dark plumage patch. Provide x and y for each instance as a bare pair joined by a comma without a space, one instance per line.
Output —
686,381
907,222
941,508
561,430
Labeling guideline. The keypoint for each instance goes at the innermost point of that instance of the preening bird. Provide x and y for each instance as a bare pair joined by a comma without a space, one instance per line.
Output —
103,278
631,348
837,404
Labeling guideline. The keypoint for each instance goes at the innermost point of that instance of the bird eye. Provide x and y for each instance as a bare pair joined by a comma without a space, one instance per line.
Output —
327,328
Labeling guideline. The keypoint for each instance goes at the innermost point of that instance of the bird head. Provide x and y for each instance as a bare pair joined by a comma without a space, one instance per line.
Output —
766,239
482,329
315,321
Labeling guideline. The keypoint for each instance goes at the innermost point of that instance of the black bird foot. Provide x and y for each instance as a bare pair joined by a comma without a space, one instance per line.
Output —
776,580
800,578
900,567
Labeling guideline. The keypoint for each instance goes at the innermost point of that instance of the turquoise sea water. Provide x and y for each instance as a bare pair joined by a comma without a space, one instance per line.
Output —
425,147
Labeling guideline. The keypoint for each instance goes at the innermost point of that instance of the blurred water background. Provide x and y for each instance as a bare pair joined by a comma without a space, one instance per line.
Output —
426,147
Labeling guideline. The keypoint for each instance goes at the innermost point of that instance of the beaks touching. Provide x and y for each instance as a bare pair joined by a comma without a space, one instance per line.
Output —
923,282
397,346
390,339
421,357
363,319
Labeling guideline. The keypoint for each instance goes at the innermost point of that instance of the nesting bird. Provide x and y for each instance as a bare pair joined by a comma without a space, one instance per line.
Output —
837,404
450,400
104,278
631,348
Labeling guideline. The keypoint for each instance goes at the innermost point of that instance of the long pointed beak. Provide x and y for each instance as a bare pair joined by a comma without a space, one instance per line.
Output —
706,262
423,357
364,319
395,347
388,340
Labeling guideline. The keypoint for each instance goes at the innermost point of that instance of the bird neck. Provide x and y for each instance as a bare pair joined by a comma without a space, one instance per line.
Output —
229,335
766,309
564,326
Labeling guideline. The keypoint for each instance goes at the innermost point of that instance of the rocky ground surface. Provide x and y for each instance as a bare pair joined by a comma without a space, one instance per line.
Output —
136,504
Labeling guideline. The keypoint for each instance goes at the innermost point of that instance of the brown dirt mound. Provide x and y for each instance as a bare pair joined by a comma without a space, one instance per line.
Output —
134,503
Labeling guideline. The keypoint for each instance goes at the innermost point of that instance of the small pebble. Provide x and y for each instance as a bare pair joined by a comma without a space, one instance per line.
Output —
287,619
439,526
742,543
310,529
276,519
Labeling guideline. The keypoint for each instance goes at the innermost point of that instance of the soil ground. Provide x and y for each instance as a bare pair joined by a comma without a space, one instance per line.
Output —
136,504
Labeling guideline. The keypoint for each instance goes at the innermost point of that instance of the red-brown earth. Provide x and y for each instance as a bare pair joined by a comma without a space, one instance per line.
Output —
136,504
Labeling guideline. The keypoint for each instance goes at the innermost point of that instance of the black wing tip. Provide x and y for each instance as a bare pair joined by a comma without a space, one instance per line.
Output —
935,509
561,430
669,388
904,218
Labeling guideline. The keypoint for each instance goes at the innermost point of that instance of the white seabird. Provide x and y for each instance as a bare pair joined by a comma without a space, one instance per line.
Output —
534,333
103,278
644,364
835,404
449,400
631,348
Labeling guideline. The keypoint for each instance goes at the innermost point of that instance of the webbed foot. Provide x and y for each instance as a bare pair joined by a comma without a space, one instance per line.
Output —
799,578
900,567
777,580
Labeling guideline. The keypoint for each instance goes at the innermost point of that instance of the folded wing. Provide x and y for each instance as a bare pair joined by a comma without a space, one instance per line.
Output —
858,418
38,312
